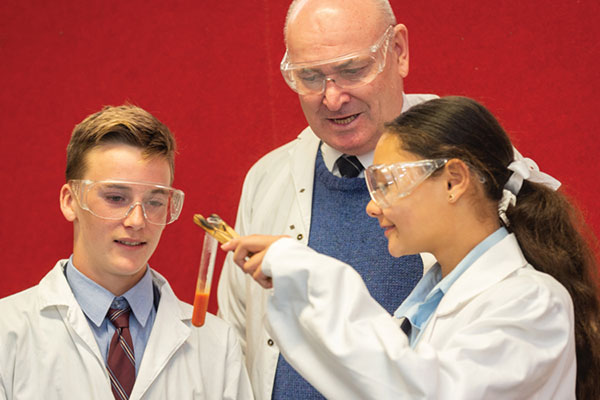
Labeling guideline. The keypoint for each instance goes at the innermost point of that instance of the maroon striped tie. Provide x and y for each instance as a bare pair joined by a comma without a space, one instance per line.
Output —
121,360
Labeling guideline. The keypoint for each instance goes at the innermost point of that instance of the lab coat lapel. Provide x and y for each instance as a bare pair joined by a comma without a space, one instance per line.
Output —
56,292
494,265
303,171
169,332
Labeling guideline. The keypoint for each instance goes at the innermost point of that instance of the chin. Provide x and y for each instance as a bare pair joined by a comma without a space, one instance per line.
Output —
395,251
399,249
131,267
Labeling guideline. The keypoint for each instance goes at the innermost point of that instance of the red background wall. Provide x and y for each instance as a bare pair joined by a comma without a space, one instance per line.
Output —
209,70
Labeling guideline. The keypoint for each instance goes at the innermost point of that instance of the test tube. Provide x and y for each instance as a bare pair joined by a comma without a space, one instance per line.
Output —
205,273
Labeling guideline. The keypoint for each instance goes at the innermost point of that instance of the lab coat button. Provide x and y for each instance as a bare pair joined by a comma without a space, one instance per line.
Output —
299,237
270,342
292,227
302,190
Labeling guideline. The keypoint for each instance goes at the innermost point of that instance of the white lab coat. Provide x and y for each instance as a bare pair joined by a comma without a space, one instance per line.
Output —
277,200
48,350
502,331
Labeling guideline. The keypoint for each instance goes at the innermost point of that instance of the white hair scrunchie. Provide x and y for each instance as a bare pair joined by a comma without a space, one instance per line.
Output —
523,169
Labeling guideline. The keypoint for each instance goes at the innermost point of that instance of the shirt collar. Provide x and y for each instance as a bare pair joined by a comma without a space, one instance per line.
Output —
96,300
330,155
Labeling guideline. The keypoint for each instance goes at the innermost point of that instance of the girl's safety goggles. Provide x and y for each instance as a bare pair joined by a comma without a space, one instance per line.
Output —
388,182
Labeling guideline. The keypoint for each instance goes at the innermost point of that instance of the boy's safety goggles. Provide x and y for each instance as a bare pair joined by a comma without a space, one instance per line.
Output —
115,199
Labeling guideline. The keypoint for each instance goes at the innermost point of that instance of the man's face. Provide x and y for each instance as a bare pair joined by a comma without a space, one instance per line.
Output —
114,253
349,120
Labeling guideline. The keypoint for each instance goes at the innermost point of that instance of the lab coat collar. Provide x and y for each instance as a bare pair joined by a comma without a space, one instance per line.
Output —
56,292
170,330
506,257
54,288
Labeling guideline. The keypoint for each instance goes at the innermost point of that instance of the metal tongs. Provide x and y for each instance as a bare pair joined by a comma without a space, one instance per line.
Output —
216,227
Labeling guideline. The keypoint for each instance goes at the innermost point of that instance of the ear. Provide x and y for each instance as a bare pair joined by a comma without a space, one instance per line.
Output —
400,48
67,202
458,179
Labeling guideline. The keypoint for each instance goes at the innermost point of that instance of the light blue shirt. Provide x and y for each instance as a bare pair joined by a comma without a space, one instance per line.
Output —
420,305
96,300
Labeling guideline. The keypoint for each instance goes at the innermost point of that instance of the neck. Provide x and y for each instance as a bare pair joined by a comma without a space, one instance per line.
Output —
460,240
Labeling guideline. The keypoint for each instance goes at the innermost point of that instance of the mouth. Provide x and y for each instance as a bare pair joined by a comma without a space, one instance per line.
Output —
130,243
387,229
345,120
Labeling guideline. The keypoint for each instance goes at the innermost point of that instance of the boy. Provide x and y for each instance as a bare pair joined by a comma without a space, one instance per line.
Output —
103,321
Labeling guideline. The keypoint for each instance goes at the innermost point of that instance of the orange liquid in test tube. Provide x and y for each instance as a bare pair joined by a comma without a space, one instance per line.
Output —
200,307
205,272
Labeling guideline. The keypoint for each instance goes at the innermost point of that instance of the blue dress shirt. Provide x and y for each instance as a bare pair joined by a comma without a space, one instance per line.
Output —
96,300
420,305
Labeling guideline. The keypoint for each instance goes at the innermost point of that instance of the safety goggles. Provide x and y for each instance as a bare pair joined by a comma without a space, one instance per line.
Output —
387,183
114,199
348,71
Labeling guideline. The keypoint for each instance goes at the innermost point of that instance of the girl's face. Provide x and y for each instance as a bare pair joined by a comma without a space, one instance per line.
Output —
414,223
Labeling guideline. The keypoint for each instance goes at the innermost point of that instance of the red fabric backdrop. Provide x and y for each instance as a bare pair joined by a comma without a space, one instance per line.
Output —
209,70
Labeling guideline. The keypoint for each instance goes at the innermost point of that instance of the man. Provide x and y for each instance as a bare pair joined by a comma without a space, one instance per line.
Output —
346,59
103,323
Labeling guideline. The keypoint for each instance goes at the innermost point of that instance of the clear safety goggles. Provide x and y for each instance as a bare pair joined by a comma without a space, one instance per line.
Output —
348,71
389,182
115,199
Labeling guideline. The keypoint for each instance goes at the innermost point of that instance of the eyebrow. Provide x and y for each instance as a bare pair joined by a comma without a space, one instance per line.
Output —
160,191
118,186
345,64
130,189
337,67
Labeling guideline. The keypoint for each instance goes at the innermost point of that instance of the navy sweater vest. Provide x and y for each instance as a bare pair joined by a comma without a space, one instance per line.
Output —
341,228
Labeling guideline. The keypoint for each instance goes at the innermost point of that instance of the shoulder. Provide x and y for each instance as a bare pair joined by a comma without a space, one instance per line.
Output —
216,337
18,303
21,316
502,281
527,295
274,160
214,330
539,287
414,99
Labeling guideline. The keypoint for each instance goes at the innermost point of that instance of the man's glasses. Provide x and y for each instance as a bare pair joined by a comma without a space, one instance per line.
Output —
387,183
348,71
114,199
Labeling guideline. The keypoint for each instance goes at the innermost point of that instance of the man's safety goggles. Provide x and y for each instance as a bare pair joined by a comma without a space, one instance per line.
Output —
348,71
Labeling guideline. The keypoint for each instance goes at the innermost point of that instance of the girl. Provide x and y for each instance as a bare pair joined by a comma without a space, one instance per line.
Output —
510,309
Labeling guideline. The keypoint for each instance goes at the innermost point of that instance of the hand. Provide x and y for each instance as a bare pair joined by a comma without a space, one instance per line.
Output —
248,253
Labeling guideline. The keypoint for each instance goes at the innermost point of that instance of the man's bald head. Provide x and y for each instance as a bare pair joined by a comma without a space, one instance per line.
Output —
380,9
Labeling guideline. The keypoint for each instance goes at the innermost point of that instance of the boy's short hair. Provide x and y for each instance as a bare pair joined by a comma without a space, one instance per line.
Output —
124,124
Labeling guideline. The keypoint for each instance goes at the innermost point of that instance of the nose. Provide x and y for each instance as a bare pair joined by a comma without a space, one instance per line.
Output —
135,216
334,96
373,210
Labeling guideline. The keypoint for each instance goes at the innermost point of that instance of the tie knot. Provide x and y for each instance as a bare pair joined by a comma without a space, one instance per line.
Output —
349,166
119,317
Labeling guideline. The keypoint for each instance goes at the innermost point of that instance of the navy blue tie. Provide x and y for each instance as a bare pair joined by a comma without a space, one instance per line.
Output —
349,166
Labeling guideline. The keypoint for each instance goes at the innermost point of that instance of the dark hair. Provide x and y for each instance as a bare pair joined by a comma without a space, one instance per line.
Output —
124,124
549,229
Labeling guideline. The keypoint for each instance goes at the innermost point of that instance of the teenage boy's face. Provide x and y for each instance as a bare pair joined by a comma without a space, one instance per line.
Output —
114,253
